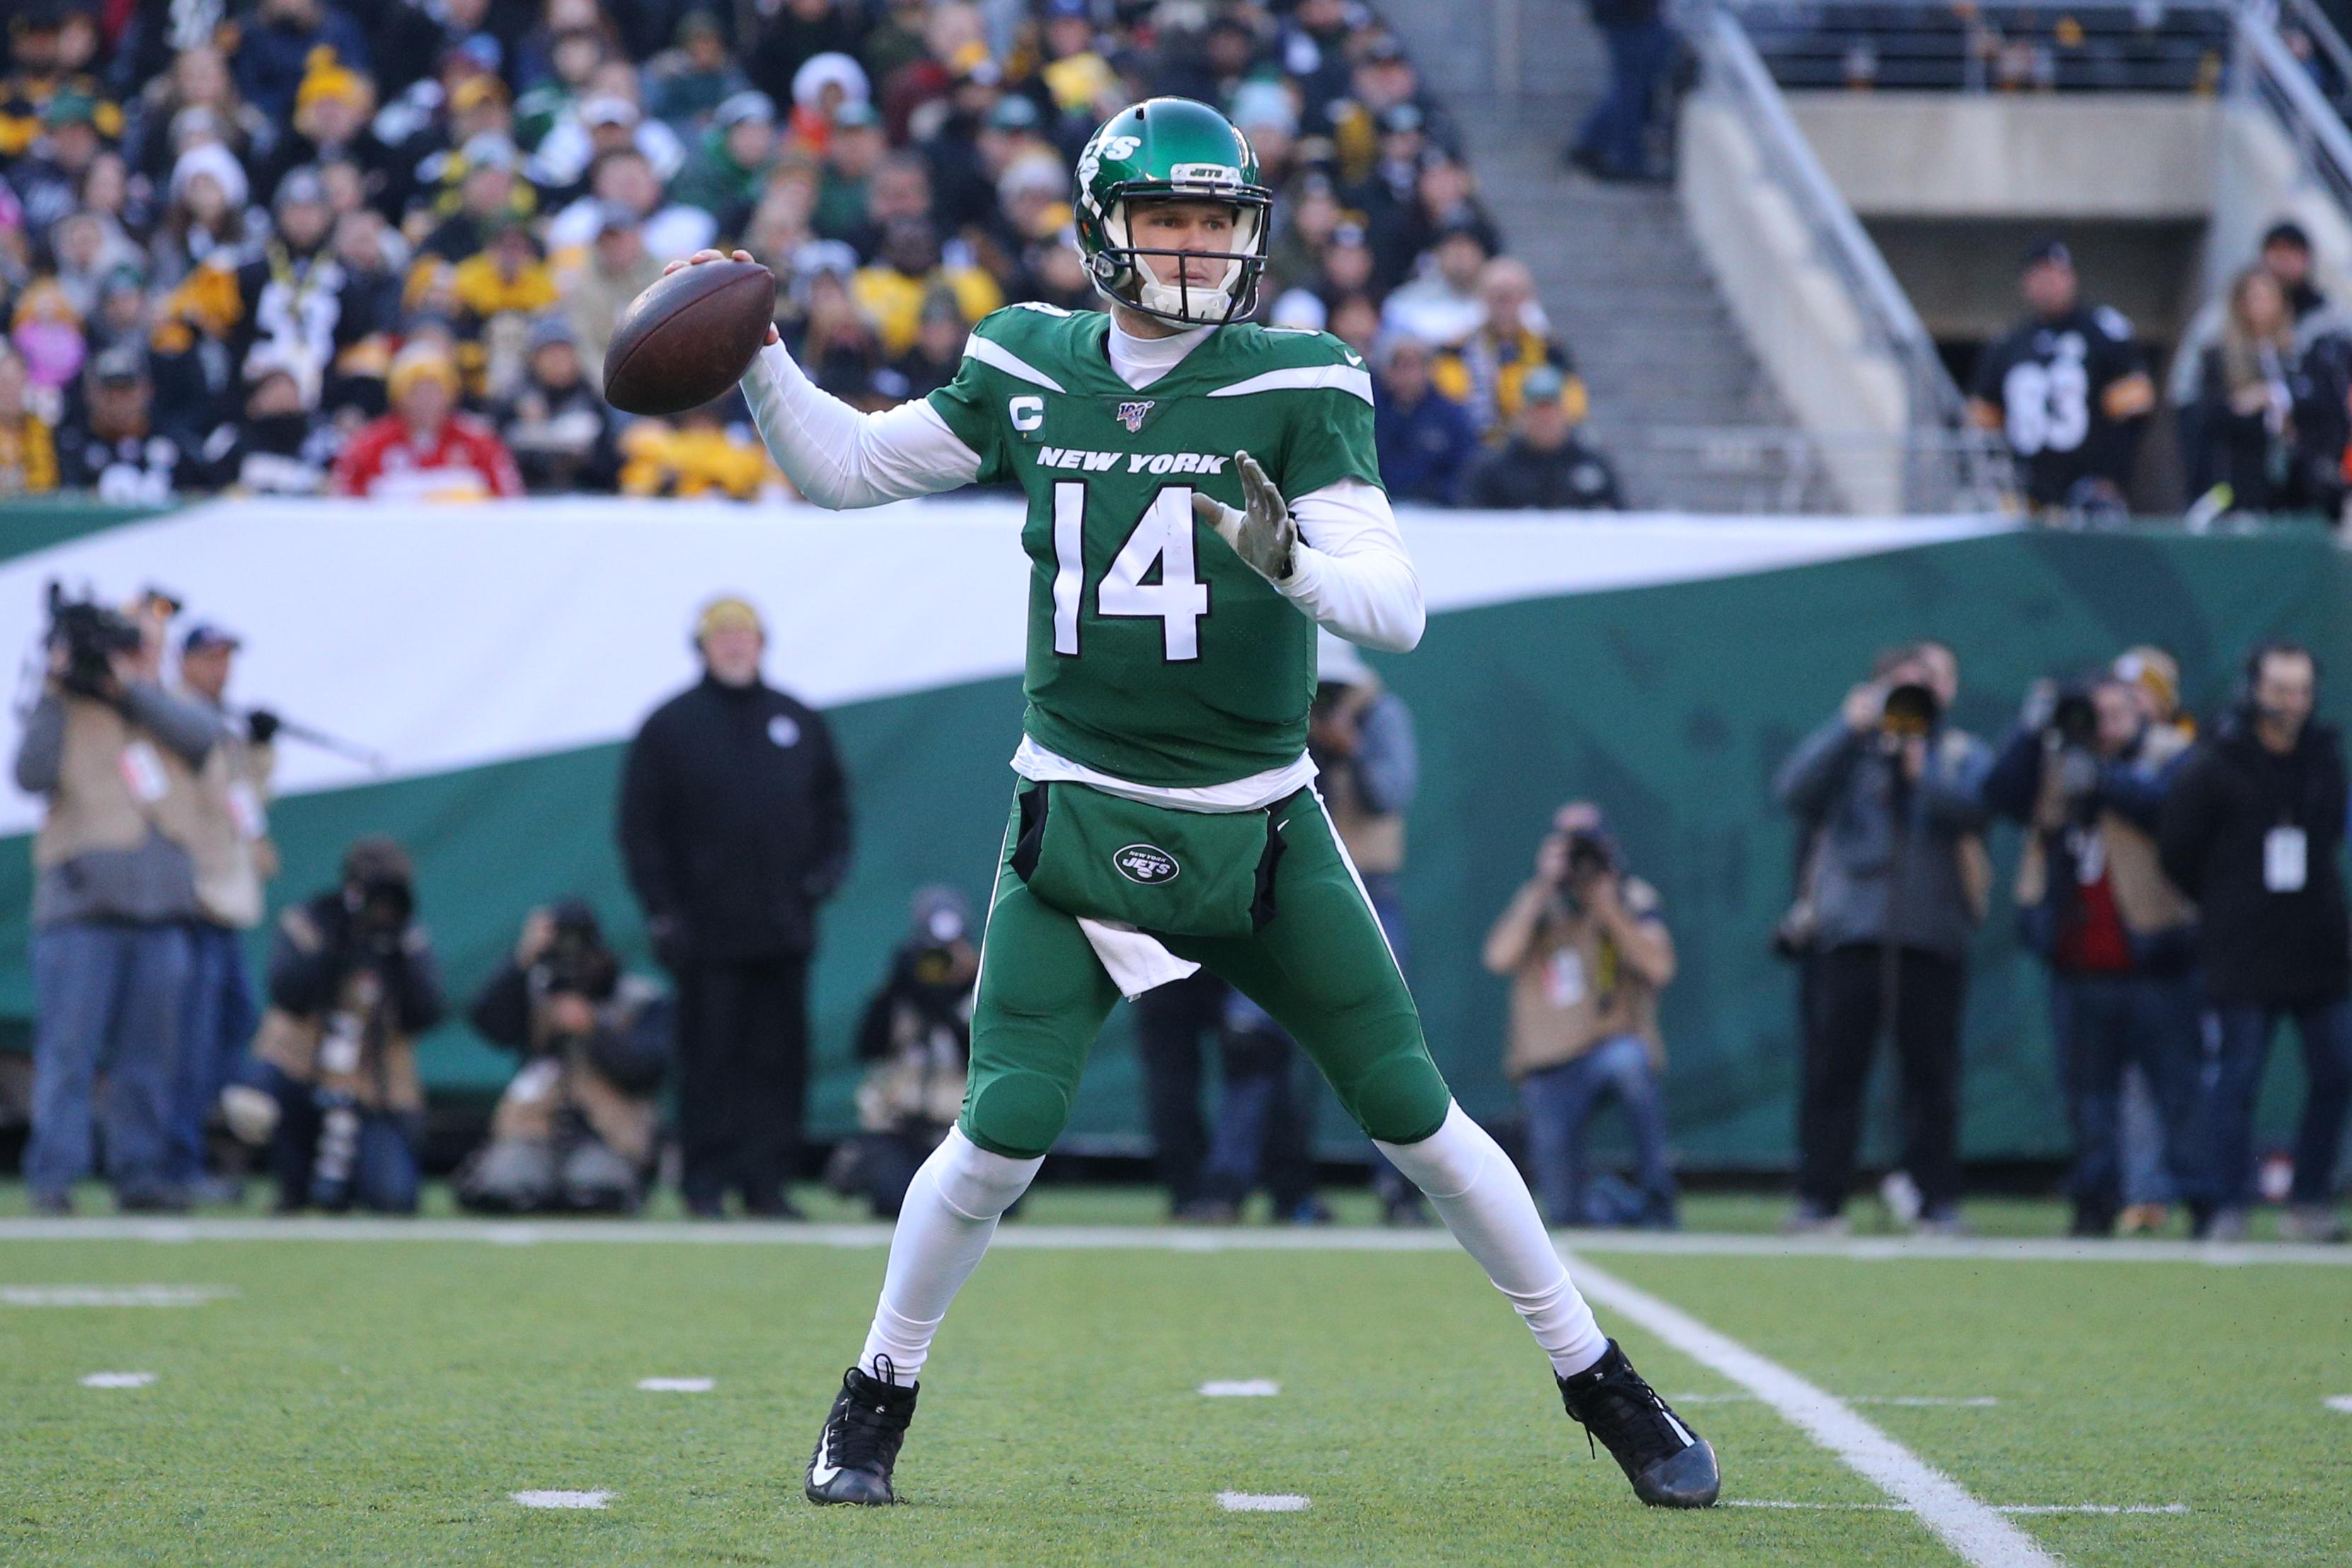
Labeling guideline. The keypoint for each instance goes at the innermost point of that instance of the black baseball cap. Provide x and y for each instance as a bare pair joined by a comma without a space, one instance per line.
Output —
2046,253
2286,231
121,363
207,635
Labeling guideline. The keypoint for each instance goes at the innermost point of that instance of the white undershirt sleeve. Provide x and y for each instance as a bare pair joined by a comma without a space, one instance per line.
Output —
839,457
1352,572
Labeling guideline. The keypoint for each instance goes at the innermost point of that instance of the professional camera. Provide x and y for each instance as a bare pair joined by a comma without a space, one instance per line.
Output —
2073,717
576,962
2071,738
1911,709
1590,852
379,890
92,635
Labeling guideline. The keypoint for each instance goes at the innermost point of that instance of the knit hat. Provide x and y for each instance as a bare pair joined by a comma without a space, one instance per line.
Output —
328,81
218,161
417,361
727,612
2152,670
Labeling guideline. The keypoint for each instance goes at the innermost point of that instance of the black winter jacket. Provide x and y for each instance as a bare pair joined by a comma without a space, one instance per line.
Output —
2278,949
734,823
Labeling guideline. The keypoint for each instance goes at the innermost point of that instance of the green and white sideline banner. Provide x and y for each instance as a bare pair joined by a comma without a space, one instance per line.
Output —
500,657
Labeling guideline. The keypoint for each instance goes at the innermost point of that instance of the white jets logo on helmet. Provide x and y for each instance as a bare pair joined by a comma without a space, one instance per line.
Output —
1204,174
1090,163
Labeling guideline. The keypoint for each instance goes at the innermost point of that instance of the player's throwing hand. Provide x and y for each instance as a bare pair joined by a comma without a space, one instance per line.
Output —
1265,536
700,256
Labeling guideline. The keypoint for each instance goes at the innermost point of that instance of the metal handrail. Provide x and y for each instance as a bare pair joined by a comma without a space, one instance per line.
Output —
2269,74
1838,234
1934,402
2314,25
1785,469
1939,47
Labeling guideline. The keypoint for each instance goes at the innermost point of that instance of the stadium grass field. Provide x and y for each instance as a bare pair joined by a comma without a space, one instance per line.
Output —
365,1399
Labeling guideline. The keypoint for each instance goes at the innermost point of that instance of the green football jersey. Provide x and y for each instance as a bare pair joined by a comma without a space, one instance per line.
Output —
1155,655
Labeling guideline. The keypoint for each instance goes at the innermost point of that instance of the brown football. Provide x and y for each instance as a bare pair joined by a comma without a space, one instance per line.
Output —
689,337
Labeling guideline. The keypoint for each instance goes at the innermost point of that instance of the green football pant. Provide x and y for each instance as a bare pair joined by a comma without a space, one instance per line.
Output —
1320,967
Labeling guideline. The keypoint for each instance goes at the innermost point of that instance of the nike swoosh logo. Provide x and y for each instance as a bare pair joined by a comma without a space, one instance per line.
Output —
1349,355
821,1472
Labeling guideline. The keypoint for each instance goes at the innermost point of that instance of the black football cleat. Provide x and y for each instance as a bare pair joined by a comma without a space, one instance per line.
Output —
859,1445
1670,1464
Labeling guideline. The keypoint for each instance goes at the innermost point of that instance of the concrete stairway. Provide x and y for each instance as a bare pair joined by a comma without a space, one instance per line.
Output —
1618,274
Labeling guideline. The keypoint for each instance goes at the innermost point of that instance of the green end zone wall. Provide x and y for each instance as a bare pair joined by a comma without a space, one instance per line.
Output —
1670,704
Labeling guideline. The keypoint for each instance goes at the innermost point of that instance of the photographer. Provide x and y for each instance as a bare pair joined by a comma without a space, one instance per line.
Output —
353,980
574,1130
1892,795
915,1041
235,861
2253,831
2086,772
108,750
1588,954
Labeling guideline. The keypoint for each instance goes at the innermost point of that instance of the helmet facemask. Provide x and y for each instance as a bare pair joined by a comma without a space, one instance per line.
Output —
1123,272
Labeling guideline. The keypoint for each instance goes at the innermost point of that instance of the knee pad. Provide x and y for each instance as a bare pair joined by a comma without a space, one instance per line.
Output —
976,1184
1402,1098
1448,1161
1015,1114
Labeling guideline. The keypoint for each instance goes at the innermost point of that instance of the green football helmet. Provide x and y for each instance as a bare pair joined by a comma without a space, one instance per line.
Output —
1168,150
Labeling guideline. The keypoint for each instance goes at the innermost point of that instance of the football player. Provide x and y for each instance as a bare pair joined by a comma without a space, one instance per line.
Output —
1174,596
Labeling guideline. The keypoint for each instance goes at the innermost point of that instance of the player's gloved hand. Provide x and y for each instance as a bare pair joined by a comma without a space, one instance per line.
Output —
700,257
1265,535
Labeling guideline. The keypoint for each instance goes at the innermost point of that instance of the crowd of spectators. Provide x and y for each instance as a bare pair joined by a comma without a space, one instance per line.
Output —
377,246
2258,389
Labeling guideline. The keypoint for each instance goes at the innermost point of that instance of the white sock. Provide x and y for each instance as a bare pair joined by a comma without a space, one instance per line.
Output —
944,1225
1476,1190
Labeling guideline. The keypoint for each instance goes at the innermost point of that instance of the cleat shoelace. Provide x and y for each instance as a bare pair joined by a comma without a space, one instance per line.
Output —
866,1429
1626,1412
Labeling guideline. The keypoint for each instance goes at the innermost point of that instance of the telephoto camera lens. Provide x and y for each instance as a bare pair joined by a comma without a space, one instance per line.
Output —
339,1145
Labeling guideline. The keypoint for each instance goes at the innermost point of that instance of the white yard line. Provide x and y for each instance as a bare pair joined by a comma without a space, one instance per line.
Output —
676,1385
117,1379
1161,1239
112,1295
2094,1508
2342,1402
1922,1401
1243,1389
1261,1502
561,1498
1979,1534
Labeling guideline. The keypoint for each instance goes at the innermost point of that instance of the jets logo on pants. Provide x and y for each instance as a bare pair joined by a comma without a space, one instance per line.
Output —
1146,864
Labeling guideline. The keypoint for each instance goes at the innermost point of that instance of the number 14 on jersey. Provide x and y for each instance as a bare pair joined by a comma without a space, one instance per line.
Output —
1163,537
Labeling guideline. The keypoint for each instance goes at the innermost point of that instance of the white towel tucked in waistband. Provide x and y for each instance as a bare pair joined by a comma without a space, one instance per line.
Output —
1135,962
